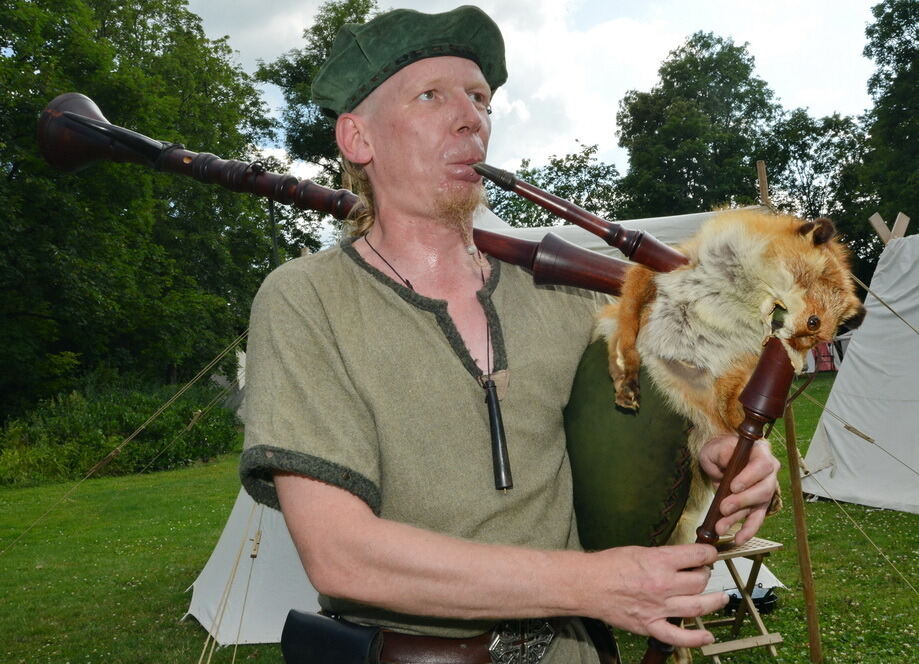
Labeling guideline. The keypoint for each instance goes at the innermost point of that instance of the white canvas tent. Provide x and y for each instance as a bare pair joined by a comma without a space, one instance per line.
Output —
244,598
877,392
238,598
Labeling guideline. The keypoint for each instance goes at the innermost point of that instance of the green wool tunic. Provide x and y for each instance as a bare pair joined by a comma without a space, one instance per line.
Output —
357,381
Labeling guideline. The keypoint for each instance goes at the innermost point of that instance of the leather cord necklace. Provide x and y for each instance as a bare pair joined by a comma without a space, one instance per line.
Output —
499,456
408,284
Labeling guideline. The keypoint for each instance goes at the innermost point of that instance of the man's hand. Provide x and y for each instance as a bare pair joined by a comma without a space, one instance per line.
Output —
751,490
646,586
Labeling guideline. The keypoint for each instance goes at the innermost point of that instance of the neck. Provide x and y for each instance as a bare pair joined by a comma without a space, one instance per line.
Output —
422,250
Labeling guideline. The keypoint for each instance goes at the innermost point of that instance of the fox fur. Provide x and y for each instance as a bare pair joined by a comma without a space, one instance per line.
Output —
699,329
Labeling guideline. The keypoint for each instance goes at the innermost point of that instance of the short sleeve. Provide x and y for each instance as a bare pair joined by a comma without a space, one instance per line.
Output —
302,412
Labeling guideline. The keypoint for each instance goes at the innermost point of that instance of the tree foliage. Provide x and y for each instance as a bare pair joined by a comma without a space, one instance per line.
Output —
816,171
68,434
890,178
149,273
118,265
310,135
693,140
578,177
813,157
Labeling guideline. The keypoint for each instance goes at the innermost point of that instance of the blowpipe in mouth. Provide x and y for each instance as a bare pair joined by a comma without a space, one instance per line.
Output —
503,179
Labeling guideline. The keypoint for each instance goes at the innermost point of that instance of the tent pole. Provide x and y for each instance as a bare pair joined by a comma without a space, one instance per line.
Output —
797,495
763,185
804,555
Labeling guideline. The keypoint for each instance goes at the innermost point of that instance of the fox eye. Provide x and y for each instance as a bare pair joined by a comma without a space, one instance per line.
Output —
813,323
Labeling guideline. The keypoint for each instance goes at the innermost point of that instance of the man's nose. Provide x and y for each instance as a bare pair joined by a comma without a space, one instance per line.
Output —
468,115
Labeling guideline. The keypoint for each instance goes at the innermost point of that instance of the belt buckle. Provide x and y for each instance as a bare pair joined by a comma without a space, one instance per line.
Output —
520,641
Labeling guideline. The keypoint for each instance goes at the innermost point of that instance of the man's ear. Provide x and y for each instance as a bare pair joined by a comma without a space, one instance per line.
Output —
352,140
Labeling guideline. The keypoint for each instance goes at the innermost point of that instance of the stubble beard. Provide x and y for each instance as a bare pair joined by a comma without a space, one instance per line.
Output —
455,209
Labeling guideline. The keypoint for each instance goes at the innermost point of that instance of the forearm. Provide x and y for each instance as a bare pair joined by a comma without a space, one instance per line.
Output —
410,570
350,553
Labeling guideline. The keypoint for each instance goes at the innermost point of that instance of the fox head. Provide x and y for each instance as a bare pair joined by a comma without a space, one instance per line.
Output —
818,293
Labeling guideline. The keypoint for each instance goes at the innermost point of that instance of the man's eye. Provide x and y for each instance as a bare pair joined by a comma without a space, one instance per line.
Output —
427,95
481,101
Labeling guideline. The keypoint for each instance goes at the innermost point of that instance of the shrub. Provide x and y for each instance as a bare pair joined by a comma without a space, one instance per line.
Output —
66,436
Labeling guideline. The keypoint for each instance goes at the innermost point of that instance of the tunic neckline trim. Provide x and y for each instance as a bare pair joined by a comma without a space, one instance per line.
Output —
439,309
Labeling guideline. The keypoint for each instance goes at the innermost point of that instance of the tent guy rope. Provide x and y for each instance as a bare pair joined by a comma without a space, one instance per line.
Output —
99,465
256,540
197,417
854,430
858,527
881,300
224,599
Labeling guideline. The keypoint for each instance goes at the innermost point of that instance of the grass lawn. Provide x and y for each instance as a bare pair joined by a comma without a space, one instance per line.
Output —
103,577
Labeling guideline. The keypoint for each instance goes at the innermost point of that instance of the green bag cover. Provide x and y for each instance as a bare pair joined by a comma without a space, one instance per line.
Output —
631,470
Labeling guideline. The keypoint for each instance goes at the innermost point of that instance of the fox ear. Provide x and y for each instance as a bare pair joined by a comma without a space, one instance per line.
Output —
821,230
856,316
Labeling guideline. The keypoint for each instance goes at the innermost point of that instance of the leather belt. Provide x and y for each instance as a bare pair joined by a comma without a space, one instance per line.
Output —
511,642
401,648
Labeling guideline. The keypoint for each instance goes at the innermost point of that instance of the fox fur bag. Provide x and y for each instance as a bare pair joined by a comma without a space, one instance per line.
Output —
699,329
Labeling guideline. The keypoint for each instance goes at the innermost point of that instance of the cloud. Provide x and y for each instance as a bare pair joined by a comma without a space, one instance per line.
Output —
577,80
258,29
571,61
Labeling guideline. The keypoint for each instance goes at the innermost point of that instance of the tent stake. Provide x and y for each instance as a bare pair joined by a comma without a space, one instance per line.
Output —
804,554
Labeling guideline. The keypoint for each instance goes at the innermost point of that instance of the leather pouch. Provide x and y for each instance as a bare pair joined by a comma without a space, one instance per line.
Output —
310,638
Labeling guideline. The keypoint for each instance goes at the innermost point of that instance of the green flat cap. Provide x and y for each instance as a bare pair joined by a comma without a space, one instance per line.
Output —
363,56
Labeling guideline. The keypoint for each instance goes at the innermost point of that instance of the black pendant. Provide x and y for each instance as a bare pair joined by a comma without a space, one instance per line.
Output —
502,465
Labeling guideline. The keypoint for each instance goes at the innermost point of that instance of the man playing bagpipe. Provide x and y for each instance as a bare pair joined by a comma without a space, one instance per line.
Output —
369,368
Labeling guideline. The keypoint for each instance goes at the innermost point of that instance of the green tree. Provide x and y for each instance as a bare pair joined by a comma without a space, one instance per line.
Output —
819,171
119,265
890,179
813,158
693,140
309,134
578,177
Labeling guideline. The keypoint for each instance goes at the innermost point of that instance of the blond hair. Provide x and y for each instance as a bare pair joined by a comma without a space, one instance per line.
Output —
355,178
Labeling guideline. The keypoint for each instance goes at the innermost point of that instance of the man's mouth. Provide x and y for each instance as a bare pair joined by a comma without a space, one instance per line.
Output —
463,170
468,161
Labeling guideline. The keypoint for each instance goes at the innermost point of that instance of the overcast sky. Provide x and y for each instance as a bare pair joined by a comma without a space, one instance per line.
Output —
571,61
